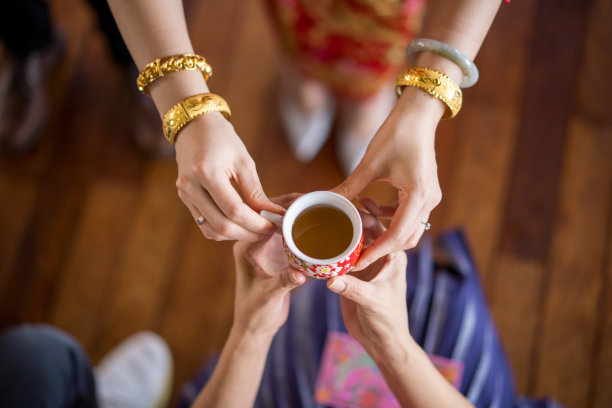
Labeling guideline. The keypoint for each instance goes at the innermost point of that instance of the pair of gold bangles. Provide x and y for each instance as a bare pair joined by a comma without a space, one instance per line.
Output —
436,83
188,109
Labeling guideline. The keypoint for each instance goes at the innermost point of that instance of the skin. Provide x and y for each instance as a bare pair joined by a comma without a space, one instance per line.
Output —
210,155
402,152
373,303
374,310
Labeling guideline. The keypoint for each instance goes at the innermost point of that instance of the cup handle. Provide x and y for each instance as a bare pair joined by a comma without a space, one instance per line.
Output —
274,219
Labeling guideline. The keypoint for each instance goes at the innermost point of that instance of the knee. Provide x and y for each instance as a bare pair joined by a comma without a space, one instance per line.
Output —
35,343
38,359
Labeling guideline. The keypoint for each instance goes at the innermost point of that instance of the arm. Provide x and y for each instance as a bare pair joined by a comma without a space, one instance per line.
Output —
402,151
209,153
373,303
415,381
236,378
263,283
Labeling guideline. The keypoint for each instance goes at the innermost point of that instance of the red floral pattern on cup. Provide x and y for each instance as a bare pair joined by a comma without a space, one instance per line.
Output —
324,271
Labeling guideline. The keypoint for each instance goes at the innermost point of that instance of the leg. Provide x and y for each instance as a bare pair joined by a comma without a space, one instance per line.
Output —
25,26
354,49
33,51
42,366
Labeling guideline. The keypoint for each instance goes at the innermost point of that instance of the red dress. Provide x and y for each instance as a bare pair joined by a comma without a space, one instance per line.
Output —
353,46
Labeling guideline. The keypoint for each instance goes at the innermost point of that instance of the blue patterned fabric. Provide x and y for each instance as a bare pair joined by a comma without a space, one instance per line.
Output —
448,317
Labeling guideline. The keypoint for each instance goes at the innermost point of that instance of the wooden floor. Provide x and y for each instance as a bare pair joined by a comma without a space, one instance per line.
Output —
94,239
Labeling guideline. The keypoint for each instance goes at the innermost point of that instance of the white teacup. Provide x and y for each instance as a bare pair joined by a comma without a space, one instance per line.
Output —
313,267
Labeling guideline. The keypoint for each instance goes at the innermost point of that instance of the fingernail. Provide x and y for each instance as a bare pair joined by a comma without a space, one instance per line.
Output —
337,286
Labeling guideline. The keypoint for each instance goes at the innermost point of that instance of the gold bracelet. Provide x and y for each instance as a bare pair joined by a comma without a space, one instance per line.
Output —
187,110
167,65
434,82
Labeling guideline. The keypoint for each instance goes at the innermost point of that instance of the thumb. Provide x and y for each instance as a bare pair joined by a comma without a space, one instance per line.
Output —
254,196
289,279
355,182
352,288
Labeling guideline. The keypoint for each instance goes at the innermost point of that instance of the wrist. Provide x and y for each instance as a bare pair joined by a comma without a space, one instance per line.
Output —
249,341
394,356
172,89
440,63
415,117
202,129
417,101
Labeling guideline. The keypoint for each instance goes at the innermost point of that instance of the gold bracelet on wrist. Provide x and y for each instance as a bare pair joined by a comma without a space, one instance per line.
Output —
436,83
187,110
167,65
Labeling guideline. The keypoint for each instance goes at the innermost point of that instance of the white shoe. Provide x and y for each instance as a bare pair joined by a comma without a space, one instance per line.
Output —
352,142
135,374
306,130
350,151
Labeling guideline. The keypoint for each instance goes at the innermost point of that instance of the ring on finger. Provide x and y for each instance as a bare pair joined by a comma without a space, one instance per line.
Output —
427,225
200,220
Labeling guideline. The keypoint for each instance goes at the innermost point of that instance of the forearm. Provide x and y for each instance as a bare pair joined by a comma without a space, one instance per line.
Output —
463,24
236,378
415,381
154,29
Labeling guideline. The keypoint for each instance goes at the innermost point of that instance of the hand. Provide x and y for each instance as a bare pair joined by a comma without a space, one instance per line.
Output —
210,155
373,304
373,301
401,153
263,282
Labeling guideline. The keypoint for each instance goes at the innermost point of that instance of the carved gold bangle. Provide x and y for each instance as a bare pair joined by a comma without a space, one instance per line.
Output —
185,111
167,65
435,83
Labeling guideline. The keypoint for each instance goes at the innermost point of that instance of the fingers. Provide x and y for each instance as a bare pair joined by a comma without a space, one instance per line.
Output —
403,226
391,267
234,211
352,288
216,225
419,230
379,211
286,200
356,181
372,227
289,279
205,227
252,191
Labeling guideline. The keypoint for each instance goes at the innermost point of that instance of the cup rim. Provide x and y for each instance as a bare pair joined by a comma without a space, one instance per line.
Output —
325,198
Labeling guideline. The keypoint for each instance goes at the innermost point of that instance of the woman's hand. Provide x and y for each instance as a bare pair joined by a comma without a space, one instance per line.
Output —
263,283
373,303
211,156
402,154
373,300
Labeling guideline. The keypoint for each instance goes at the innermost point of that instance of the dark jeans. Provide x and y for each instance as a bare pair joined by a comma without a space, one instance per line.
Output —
25,27
41,366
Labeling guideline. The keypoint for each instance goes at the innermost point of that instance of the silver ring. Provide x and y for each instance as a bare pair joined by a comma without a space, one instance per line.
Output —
200,220
427,225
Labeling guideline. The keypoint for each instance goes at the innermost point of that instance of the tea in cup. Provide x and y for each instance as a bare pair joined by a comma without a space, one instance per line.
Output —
322,234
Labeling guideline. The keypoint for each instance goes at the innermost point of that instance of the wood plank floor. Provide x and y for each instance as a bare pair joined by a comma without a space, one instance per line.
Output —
94,239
